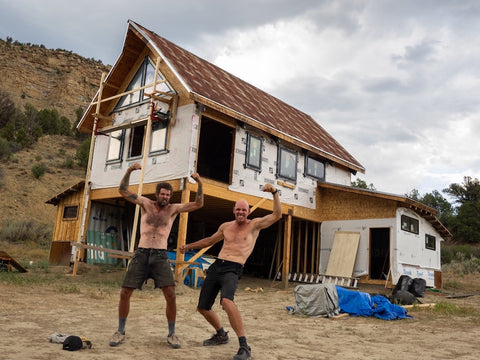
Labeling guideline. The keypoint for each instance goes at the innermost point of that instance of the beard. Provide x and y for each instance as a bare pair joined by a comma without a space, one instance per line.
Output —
162,203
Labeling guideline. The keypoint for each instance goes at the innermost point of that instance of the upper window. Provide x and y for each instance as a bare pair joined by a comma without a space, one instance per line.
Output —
159,136
115,146
253,157
70,212
287,163
314,168
409,224
430,242
136,141
145,75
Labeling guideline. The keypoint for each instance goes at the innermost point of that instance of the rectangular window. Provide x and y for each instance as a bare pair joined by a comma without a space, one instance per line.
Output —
409,224
115,146
287,164
136,141
314,168
158,142
70,212
430,242
253,156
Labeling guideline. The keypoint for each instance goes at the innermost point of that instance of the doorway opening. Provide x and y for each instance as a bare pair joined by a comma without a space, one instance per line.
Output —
214,159
379,253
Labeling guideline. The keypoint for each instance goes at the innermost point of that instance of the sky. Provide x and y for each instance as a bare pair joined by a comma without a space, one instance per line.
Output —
396,83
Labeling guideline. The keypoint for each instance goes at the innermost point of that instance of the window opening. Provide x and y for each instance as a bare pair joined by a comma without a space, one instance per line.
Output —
70,212
287,164
136,141
115,146
159,136
214,159
253,156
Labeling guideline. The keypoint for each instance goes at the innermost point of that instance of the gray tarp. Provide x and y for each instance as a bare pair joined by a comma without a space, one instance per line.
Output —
320,300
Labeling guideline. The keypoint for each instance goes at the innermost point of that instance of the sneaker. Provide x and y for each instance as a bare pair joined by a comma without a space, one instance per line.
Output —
216,340
173,341
243,353
117,338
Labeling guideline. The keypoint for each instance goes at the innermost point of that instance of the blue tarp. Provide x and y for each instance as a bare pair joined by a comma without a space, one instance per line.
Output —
172,255
357,303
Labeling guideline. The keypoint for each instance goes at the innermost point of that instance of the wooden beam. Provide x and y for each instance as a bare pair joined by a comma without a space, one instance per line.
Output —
86,188
182,231
146,148
286,253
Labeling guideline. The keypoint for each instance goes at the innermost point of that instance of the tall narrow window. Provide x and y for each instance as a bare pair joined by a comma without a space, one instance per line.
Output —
115,146
287,163
314,168
136,141
253,156
159,136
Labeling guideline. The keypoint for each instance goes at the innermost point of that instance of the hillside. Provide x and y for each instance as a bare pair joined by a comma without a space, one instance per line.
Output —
47,79
24,196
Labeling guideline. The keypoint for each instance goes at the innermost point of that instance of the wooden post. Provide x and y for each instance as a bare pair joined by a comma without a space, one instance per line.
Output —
146,149
182,233
305,249
319,243
86,189
286,253
312,260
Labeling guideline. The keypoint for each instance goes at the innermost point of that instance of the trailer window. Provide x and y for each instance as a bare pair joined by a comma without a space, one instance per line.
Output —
409,224
430,242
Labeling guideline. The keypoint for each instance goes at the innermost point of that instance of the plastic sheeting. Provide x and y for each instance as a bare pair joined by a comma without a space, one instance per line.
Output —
357,303
317,300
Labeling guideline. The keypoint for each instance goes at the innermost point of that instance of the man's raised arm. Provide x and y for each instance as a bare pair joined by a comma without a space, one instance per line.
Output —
276,214
123,188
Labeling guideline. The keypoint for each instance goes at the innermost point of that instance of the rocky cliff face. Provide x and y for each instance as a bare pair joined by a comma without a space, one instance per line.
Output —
48,79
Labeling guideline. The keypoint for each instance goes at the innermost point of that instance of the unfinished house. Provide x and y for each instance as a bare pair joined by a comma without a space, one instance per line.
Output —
177,114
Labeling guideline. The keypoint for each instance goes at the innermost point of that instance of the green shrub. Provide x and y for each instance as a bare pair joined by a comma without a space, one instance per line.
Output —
5,151
38,170
26,231
69,163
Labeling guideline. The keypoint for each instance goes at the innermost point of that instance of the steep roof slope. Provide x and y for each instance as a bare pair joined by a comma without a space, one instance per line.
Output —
214,87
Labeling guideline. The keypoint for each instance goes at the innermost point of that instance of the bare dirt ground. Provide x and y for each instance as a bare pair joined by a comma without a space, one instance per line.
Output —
86,305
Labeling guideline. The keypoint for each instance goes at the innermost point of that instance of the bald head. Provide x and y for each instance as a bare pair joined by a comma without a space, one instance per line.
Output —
241,210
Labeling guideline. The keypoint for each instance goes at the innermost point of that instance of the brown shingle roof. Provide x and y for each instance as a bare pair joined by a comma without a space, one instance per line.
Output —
210,85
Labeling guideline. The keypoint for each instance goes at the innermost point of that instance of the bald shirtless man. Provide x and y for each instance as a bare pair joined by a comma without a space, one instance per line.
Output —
239,237
150,259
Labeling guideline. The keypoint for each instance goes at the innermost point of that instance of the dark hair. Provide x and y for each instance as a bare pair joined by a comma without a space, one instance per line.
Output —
164,185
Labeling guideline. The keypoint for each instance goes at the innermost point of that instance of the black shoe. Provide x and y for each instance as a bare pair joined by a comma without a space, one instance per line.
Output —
216,340
243,353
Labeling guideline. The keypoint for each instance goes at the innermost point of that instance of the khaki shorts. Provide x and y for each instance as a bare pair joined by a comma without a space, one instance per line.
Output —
149,264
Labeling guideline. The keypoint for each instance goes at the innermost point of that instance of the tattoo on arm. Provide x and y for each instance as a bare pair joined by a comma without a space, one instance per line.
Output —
133,196
125,181
199,196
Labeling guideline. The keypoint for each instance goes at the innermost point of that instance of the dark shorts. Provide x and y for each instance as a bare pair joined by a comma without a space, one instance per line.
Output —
222,275
149,264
